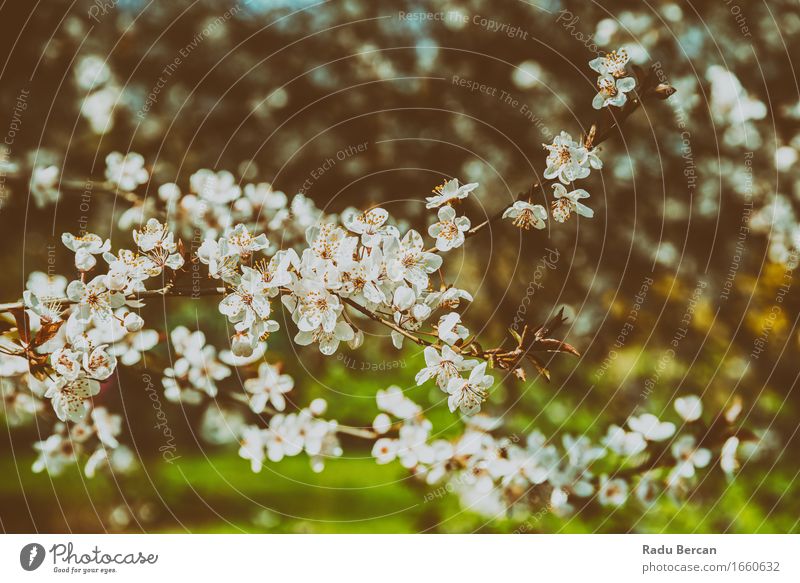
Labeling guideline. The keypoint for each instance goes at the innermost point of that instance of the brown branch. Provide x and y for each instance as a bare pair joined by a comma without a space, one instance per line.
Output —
375,317
167,291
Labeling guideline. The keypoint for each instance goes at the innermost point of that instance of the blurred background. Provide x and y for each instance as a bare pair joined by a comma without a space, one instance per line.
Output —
695,229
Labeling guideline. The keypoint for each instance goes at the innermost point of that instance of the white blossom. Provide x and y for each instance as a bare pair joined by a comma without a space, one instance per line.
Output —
611,91
690,408
468,394
568,160
567,203
449,230
612,492
612,63
526,215
450,330
651,427
449,192
269,387
443,366
126,171
688,456
71,398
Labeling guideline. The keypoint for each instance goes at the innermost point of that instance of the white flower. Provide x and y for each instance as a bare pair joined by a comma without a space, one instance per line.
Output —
98,108
243,344
690,408
612,492
46,286
448,299
403,298
526,215
252,447
468,394
241,243
262,197
559,502
155,235
361,279
215,187
197,364
385,450
55,453
318,406
66,362
107,426
612,63
568,160
449,192
412,444
249,302
126,171
568,202
647,490
367,224
329,241
651,428
449,231
394,402
283,437
70,398
93,301
382,423
624,443
91,71
127,270
127,346
44,185
450,329
315,307
85,247
169,192
133,322
611,91
689,456
407,260
581,452
99,363
328,341
727,459
443,367
269,387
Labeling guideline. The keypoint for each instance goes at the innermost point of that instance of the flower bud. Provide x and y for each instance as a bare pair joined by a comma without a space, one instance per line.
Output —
382,423
242,345
357,341
318,407
84,260
133,322
116,280
664,90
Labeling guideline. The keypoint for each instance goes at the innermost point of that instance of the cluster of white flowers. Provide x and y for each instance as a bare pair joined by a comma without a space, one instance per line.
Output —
612,84
216,202
69,345
96,436
363,265
44,185
195,371
568,161
100,92
289,435
497,475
